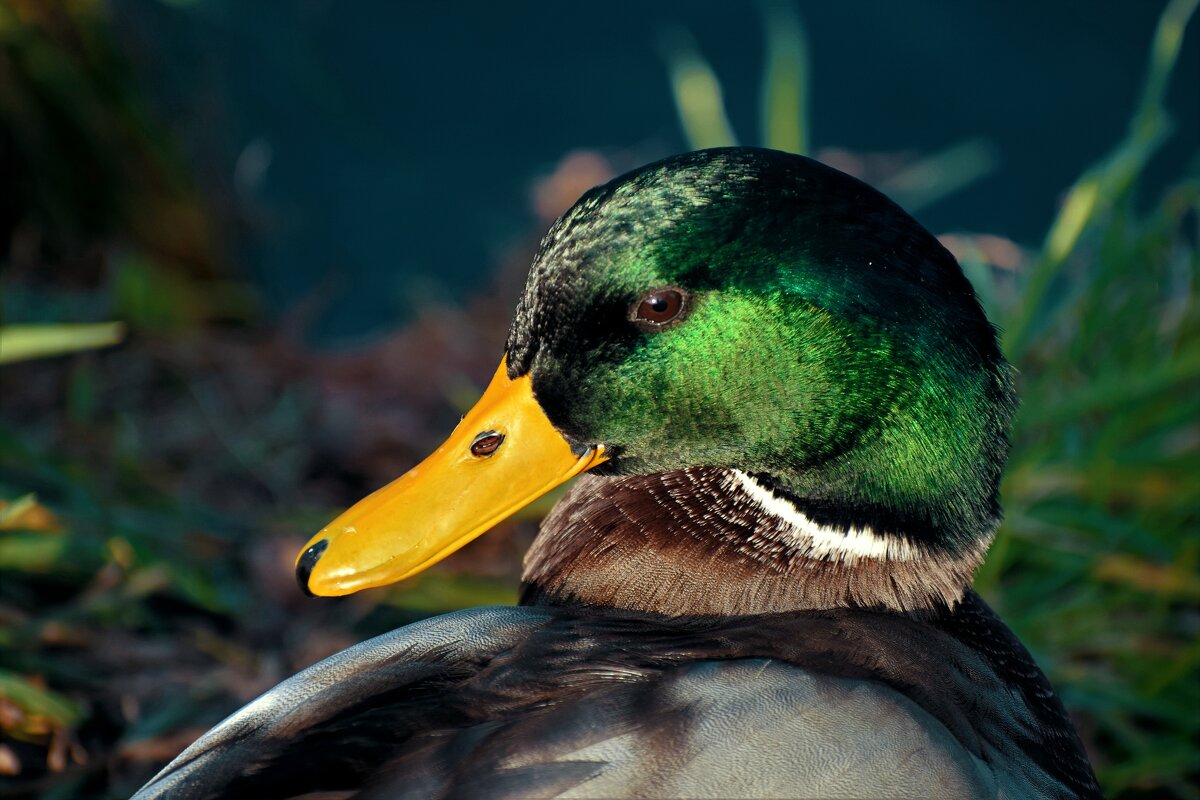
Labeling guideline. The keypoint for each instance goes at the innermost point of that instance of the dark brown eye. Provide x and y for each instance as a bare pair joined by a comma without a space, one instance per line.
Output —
659,308
486,443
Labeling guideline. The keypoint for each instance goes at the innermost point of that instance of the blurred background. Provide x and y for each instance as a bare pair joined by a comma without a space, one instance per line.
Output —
256,258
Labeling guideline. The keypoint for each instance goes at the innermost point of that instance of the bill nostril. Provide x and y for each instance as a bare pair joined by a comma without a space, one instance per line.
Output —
486,444
308,560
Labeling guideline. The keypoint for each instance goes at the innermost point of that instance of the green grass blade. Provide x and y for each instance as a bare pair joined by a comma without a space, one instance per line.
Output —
33,699
1116,391
1097,191
25,342
785,85
698,96
942,174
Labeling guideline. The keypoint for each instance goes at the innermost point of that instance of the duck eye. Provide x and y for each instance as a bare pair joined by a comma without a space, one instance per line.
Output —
659,307
486,443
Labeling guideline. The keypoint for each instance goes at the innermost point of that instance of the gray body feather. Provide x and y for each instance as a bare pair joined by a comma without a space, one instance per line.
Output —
542,702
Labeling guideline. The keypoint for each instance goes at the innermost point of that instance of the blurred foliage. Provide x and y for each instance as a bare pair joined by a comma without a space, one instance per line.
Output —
80,156
1096,565
94,187
154,494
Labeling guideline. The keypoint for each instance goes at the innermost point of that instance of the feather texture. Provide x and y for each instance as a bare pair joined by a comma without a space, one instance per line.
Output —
536,702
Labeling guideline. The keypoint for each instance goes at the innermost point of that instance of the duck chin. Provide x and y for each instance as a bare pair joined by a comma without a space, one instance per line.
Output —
719,542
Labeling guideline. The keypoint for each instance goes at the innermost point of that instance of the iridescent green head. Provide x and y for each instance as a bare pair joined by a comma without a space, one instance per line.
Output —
750,309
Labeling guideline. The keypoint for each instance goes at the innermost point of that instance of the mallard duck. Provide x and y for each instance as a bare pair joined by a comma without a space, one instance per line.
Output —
792,413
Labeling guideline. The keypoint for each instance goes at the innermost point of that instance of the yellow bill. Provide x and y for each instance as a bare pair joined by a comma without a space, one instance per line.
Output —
503,455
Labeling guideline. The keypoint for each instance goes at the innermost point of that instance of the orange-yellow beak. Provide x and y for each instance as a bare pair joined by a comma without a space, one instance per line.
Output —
460,491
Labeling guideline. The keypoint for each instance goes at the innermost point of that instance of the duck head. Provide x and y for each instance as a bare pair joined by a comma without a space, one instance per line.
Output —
774,374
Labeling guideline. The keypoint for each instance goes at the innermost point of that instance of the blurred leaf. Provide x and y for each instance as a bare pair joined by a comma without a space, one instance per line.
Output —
27,514
698,96
784,101
942,174
40,707
59,555
1098,190
30,553
25,342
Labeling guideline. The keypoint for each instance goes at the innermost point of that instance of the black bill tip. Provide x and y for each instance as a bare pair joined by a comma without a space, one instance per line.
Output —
308,560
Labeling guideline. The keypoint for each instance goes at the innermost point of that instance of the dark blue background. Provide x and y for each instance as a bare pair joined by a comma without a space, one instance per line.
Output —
403,138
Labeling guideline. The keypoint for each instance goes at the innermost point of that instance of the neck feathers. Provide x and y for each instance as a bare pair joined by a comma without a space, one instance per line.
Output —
707,541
